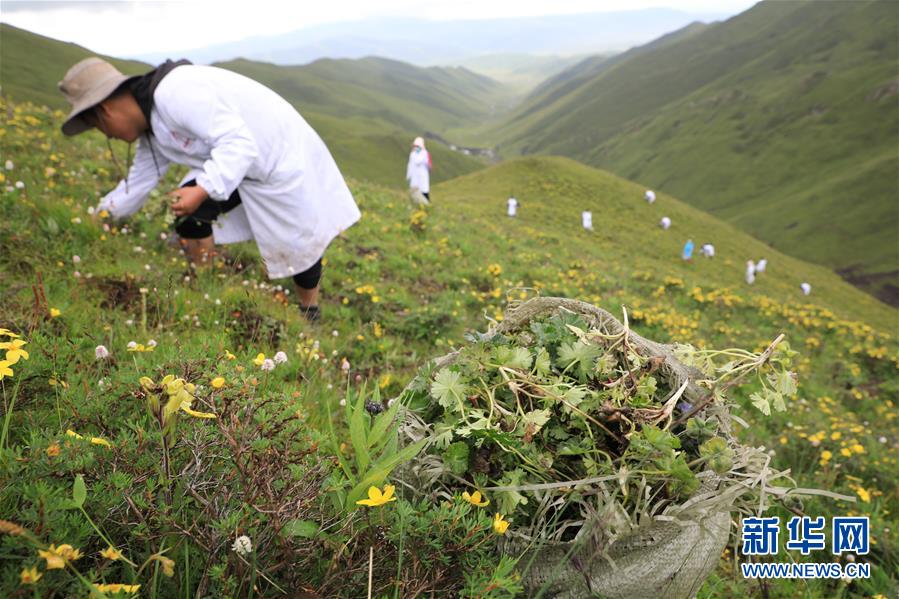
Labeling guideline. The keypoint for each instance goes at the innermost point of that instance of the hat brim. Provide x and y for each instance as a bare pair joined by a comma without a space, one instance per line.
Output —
74,123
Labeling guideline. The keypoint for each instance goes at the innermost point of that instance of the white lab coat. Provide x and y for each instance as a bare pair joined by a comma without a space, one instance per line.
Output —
418,171
235,133
587,220
806,288
750,272
650,196
512,206
708,250
665,223
761,265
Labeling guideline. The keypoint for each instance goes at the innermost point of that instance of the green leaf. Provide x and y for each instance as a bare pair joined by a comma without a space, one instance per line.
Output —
306,529
448,389
783,382
761,403
513,357
542,363
456,458
719,455
580,353
380,470
537,418
358,437
79,491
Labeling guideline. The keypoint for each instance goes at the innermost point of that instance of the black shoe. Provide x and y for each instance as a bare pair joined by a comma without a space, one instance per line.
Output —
311,313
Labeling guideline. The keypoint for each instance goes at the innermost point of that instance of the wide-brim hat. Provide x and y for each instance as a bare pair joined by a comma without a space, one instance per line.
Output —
418,141
85,85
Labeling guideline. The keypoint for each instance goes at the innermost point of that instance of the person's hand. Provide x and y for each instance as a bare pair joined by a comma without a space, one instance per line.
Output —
186,200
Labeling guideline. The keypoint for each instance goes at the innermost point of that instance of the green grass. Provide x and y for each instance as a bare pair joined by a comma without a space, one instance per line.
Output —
399,288
782,120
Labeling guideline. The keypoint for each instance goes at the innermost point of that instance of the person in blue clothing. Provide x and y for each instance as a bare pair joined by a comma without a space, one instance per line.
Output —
688,250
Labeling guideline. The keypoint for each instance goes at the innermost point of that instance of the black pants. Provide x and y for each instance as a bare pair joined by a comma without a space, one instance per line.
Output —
199,226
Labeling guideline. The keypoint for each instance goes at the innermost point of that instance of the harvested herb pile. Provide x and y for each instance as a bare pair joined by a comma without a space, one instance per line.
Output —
562,417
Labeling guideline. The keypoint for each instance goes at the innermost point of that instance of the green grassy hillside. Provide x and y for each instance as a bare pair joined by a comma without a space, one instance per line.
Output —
782,120
400,287
405,96
367,111
32,65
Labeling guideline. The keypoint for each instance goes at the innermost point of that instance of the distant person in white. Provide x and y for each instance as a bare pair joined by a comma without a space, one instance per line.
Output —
587,220
665,223
650,196
708,250
760,265
511,206
418,170
806,288
750,272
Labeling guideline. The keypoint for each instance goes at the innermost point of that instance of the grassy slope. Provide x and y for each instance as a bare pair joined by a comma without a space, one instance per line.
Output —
781,120
32,65
368,135
427,285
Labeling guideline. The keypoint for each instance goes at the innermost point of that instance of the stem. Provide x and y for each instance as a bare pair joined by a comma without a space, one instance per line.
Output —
371,565
8,416
103,536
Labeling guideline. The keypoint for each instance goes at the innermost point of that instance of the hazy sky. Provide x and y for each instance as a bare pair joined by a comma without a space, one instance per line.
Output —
129,28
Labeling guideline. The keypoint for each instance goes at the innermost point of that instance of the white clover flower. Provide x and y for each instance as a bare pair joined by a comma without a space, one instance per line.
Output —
76,274
345,365
101,353
152,343
242,546
335,333
163,236
390,402
129,323
287,292
882,439
280,357
76,259
132,344
342,401
218,302
20,185
9,165
91,210
268,365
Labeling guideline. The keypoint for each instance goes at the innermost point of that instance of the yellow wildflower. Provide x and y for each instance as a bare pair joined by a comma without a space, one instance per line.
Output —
377,498
858,448
845,452
218,382
500,525
58,556
835,436
14,350
229,355
55,312
53,450
863,494
118,588
168,565
259,359
29,575
826,455
5,370
111,553
8,333
475,499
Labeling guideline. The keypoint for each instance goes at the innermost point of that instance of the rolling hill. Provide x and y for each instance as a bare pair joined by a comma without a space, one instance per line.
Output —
782,120
367,111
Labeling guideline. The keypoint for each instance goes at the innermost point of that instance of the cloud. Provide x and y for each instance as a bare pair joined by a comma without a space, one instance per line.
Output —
14,6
